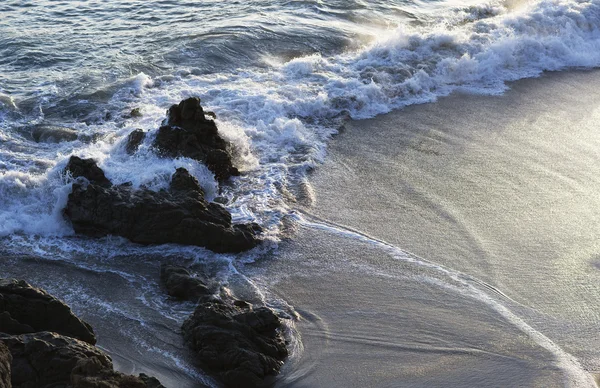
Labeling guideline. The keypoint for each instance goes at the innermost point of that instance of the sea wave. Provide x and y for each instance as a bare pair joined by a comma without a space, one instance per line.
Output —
280,114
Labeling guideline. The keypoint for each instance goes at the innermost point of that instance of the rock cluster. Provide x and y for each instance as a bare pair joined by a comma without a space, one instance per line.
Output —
239,343
190,134
25,309
178,215
43,344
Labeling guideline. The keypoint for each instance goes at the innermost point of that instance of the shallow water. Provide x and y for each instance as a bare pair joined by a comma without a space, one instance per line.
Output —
496,199
281,76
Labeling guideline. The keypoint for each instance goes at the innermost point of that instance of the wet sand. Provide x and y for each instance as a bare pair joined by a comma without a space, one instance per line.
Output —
496,198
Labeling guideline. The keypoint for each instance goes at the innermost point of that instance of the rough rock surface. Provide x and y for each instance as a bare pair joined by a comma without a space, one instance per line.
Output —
134,140
26,309
44,358
94,372
179,215
190,134
88,169
5,362
47,359
241,345
180,283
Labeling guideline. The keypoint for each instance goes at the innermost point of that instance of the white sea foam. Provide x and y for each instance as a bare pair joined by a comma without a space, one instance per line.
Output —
286,113
280,117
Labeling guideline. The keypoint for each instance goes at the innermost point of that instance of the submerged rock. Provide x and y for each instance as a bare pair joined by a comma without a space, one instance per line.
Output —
180,283
241,345
48,133
190,134
135,113
179,215
8,102
26,309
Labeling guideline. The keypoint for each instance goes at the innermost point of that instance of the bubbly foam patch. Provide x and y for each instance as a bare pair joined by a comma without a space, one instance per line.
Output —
280,115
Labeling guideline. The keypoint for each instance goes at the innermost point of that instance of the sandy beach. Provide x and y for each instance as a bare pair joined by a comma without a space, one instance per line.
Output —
340,193
496,199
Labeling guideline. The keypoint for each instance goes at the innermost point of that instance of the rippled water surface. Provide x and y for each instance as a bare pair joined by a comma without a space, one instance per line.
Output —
282,77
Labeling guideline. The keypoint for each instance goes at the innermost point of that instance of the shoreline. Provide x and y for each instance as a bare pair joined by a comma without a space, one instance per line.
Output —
482,185
373,314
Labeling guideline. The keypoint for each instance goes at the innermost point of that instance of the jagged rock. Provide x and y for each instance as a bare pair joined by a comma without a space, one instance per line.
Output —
88,169
151,382
190,134
134,140
44,358
241,345
26,309
179,215
58,352
48,133
93,372
5,362
180,283
183,182
135,112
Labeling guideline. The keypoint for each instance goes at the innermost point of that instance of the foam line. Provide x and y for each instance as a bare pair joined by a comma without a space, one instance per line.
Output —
575,375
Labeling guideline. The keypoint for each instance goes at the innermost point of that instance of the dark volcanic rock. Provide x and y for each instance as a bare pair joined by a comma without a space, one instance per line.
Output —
190,134
43,359
5,362
179,215
94,372
88,169
180,283
134,140
151,382
46,359
239,344
26,309
183,182
58,351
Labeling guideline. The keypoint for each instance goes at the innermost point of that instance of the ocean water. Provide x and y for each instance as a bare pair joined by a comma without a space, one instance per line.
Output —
282,77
